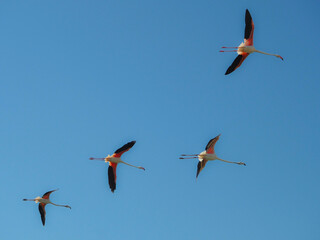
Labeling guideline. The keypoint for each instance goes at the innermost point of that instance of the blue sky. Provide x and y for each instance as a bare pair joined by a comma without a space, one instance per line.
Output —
82,78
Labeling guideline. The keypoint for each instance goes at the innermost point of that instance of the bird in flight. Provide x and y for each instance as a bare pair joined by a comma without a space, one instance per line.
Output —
207,155
43,201
113,162
246,47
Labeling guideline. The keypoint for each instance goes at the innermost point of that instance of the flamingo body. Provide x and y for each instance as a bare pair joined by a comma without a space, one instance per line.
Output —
245,49
207,156
42,200
112,159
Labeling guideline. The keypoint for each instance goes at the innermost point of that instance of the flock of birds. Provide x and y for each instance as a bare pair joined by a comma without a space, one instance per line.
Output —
243,50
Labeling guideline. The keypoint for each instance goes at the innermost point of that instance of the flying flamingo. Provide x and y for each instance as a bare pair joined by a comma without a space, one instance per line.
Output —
43,201
207,155
113,162
246,47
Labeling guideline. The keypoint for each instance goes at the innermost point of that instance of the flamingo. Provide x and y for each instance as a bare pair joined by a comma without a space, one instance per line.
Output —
113,162
207,155
246,47
43,201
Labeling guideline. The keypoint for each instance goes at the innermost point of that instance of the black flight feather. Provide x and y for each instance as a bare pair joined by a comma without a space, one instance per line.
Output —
125,147
248,28
234,65
199,168
112,182
42,213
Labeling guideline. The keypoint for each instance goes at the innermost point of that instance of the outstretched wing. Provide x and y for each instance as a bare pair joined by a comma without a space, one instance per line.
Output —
112,175
42,213
211,143
248,32
123,149
47,194
201,165
237,62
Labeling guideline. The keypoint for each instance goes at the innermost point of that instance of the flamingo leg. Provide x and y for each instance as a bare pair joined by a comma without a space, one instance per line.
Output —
100,159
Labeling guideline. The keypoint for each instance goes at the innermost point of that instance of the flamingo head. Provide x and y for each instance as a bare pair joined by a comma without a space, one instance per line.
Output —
142,168
242,163
279,57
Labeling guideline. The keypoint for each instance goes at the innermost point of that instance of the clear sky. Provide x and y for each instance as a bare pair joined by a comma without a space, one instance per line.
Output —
82,78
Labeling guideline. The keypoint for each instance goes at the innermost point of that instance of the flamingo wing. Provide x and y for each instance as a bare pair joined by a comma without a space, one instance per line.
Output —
211,143
112,175
202,163
248,32
47,194
237,62
124,149
42,213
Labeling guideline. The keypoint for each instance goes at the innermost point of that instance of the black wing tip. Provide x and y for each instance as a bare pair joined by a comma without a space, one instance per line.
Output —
228,72
126,147
42,214
132,143
211,140
248,17
49,192
112,183
113,188
235,64
198,169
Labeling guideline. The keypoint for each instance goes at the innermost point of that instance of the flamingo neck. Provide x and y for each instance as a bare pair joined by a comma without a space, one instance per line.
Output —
58,205
225,161
265,53
129,164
